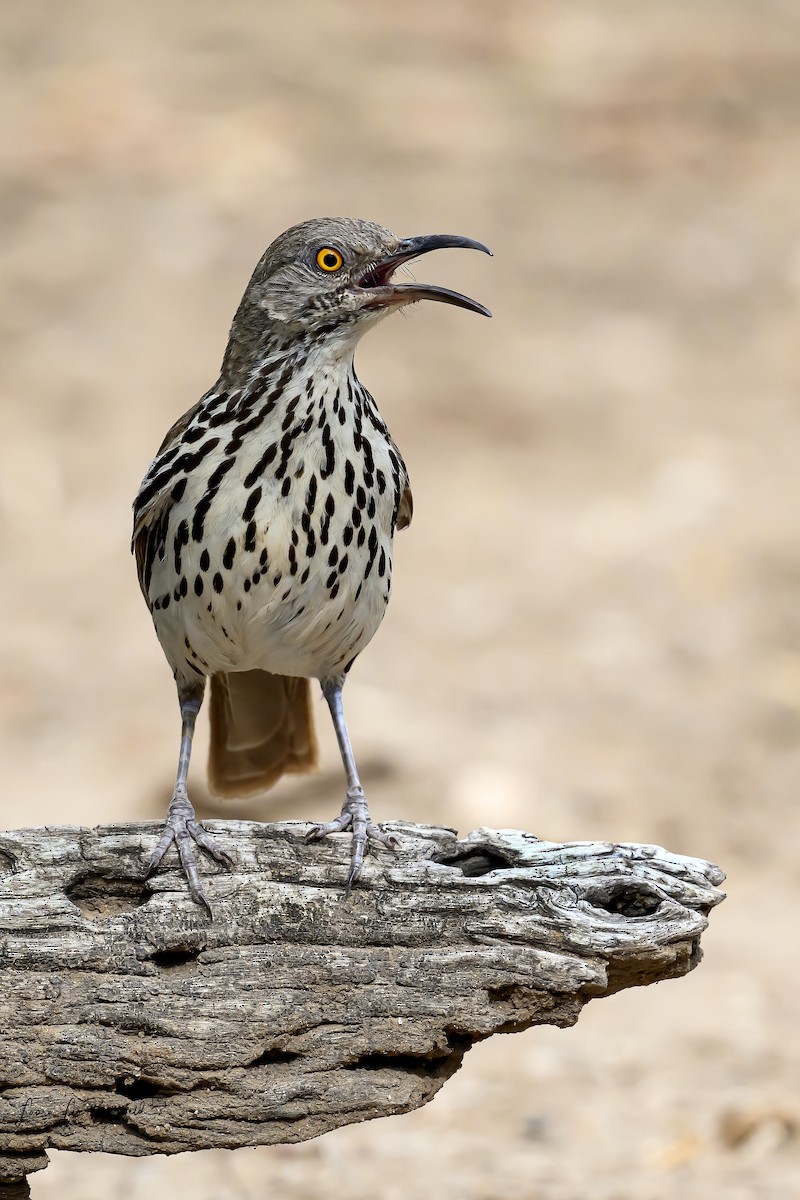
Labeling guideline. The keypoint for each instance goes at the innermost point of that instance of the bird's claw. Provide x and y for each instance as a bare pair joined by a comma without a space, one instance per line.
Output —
354,816
182,829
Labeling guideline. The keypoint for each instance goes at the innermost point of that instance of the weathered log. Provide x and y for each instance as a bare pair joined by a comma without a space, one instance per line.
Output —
131,1023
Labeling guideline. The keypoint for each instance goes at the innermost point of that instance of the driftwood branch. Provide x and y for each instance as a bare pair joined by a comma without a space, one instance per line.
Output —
131,1024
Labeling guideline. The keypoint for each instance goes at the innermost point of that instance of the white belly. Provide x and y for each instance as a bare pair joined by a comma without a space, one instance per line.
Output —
291,591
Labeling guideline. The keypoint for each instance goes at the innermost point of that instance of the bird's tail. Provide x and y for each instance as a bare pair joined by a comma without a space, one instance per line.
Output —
262,727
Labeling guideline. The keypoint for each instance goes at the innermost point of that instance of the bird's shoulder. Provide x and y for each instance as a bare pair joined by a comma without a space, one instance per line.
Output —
156,495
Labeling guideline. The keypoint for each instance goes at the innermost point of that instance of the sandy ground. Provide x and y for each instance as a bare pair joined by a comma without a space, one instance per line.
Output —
595,631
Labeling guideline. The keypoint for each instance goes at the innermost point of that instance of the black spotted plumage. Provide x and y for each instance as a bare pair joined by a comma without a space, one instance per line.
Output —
253,501
263,528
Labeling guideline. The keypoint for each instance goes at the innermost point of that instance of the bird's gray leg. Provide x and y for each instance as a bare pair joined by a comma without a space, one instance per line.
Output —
355,813
181,826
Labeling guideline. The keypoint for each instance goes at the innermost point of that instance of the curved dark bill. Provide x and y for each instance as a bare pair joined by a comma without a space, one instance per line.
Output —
386,293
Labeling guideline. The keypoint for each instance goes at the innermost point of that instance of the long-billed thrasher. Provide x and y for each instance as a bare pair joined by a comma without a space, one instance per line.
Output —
263,527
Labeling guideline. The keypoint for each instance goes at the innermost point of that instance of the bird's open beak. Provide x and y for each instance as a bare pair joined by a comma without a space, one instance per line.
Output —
384,293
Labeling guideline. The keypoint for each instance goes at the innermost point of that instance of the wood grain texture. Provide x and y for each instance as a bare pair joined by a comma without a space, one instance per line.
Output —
131,1024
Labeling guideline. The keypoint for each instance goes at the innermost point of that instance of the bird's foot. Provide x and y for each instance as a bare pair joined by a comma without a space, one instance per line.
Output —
354,816
182,829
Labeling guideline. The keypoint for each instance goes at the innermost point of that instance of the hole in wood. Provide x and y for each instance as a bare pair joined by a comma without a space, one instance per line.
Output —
413,1064
460,1042
626,900
169,959
142,1088
478,860
8,863
106,1114
270,1056
100,895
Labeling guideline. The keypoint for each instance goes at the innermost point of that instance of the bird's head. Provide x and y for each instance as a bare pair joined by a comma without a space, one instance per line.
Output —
337,273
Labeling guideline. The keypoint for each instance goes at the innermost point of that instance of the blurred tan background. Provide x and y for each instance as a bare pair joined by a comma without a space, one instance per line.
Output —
594,630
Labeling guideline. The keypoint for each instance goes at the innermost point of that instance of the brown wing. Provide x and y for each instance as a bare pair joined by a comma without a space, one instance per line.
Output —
405,510
149,539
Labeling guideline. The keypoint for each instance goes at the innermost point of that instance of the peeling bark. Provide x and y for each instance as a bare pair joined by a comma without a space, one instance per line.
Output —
131,1024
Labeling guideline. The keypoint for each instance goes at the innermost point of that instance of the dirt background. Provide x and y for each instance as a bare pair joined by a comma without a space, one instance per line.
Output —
596,619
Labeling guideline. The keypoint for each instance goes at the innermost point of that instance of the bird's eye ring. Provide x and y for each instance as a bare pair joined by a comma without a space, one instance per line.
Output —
329,259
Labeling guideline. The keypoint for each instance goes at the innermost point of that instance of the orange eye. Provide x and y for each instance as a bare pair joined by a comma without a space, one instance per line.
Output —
329,259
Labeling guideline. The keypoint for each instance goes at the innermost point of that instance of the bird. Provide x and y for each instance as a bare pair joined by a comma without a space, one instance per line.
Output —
263,527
